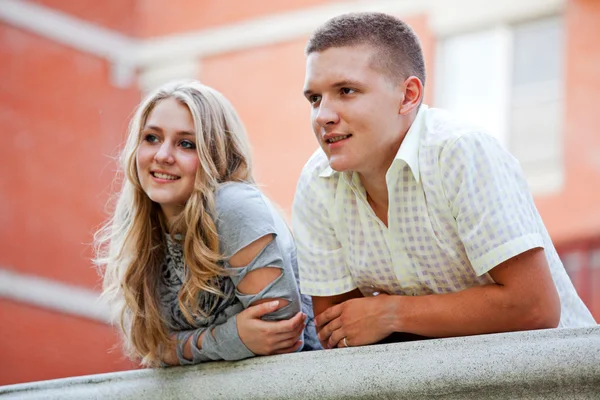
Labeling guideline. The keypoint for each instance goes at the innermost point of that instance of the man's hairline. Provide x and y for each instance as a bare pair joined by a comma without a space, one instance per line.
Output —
374,64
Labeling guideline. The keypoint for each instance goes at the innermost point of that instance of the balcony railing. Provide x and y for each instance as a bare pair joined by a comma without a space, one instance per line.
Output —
548,364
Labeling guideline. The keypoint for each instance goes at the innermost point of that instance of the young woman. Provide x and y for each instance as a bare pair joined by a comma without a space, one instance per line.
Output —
198,265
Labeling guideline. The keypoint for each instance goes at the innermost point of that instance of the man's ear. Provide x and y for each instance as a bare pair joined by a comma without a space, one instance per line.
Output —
413,93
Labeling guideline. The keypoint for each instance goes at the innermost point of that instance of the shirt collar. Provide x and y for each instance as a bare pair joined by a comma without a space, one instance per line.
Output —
409,149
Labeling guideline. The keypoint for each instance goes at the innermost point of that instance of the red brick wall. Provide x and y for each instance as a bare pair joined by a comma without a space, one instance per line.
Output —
158,17
61,119
575,212
38,344
118,15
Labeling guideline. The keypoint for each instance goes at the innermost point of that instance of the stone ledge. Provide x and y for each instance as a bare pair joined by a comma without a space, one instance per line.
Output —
548,364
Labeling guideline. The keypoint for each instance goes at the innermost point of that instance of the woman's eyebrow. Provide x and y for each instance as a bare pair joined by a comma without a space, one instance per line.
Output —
159,129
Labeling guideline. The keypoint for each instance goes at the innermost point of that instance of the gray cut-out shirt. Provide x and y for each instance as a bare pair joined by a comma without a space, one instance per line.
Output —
242,215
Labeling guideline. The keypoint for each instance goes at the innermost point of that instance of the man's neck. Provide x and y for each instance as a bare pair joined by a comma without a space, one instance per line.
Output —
373,179
377,193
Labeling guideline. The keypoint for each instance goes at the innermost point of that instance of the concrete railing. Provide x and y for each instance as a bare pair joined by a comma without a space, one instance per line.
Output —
549,364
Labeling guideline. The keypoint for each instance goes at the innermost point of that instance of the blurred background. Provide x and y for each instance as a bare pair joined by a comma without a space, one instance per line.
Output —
72,72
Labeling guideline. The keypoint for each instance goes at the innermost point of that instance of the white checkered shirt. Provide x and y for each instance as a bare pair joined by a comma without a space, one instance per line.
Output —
459,205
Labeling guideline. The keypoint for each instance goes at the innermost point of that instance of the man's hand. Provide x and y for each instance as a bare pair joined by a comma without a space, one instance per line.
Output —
361,321
269,337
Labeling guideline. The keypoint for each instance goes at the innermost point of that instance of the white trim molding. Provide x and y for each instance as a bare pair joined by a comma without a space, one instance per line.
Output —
152,77
264,31
76,33
451,17
166,53
53,295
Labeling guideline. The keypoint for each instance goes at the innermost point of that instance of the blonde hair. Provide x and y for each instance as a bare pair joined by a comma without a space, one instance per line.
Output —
130,248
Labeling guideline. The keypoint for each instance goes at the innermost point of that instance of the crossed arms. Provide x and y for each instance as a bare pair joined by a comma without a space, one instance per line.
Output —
260,337
522,297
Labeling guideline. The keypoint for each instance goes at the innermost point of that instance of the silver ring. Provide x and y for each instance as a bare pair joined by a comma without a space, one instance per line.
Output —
345,343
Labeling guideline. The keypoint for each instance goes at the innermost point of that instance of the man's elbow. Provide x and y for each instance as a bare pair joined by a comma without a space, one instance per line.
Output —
543,315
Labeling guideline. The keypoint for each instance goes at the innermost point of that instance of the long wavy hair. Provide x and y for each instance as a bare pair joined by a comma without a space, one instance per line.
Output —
130,247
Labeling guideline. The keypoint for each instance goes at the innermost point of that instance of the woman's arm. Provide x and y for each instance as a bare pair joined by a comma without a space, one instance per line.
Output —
256,331
267,280
268,290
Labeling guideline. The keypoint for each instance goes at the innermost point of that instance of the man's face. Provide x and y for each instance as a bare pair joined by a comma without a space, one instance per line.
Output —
355,108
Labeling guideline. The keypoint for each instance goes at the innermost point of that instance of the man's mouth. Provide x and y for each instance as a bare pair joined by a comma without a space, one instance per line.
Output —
337,138
161,175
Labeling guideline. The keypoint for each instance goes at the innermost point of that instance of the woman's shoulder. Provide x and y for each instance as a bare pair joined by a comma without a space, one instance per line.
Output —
232,190
238,197
242,216
239,204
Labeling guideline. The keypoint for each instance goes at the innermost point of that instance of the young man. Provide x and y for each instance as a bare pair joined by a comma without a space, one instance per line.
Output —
407,220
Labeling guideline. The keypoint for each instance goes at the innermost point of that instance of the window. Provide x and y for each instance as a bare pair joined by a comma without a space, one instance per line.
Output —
509,81
582,262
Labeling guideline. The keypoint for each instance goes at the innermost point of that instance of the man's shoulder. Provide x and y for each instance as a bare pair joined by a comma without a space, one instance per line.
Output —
443,130
316,173
317,180
316,164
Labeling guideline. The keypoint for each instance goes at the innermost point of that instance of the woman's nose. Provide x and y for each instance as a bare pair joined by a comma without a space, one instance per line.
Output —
164,155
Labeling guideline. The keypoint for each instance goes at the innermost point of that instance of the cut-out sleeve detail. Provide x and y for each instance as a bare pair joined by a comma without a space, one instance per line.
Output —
282,287
242,216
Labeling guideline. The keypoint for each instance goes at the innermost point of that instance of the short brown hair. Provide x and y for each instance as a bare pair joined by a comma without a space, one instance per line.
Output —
397,43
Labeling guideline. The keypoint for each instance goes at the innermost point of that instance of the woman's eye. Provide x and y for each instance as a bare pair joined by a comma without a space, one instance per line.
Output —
150,138
314,98
186,144
347,90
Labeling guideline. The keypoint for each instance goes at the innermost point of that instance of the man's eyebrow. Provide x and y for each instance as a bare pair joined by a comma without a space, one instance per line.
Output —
159,129
346,82
308,92
339,84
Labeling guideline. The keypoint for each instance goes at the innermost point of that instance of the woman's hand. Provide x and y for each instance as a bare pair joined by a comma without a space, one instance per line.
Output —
169,353
269,337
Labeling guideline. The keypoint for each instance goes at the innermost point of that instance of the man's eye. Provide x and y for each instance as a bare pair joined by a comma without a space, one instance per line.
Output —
186,144
347,90
314,98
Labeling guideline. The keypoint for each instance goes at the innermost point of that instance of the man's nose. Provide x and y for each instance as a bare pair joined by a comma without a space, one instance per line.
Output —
164,155
326,114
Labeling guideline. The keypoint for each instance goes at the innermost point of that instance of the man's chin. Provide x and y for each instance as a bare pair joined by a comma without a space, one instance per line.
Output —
339,165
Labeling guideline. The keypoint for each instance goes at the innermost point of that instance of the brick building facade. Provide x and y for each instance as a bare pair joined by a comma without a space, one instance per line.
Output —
74,71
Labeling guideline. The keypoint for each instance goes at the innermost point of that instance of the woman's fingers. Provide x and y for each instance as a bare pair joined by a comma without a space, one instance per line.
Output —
260,310
286,326
295,334
287,341
269,337
290,349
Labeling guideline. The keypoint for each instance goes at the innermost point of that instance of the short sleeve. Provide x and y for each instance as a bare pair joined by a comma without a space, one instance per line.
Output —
321,263
490,200
243,217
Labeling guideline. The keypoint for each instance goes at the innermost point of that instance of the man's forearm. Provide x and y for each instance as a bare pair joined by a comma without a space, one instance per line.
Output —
483,309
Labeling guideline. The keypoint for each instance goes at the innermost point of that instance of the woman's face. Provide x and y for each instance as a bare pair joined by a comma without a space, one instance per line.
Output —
167,161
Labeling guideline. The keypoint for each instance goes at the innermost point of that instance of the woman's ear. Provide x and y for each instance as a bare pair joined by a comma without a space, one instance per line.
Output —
413,93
